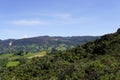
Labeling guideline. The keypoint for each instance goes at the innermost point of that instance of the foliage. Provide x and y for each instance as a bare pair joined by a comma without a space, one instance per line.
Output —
37,44
13,63
98,60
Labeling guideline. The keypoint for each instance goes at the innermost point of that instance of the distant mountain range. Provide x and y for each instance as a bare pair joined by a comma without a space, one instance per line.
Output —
36,44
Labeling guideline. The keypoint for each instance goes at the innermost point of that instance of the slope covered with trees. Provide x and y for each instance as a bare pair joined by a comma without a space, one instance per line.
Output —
96,60
37,44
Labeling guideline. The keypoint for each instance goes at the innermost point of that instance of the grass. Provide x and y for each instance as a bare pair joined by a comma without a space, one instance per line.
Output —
3,56
12,58
13,63
40,54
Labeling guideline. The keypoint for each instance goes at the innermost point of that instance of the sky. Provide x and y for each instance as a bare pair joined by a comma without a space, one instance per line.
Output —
30,18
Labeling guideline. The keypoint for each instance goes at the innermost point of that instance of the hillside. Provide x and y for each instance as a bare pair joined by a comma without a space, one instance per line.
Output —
96,60
37,44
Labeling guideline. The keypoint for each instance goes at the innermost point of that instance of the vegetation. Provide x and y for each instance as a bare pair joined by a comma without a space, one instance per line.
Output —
13,63
97,60
12,60
38,44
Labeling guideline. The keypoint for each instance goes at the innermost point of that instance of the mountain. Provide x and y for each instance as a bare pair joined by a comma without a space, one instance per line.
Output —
95,60
41,43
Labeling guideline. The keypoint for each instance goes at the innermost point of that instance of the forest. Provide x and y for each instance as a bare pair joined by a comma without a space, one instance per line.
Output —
95,60
36,44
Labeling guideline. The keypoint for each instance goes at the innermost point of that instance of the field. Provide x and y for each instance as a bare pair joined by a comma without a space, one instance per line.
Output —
39,54
12,63
11,60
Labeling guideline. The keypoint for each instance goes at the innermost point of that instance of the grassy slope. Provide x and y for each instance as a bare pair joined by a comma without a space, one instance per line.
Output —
13,60
12,63
39,54
3,56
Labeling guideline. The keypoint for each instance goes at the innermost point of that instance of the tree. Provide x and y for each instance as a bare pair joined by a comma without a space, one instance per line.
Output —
118,31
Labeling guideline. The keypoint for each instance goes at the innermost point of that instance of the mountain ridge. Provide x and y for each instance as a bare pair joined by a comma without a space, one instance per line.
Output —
42,43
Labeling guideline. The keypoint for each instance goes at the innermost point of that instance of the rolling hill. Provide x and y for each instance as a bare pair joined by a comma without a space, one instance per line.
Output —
96,60
41,43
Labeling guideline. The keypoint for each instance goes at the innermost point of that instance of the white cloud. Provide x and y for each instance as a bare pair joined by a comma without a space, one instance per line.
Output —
56,15
47,14
27,22
54,21
67,18
72,20
48,19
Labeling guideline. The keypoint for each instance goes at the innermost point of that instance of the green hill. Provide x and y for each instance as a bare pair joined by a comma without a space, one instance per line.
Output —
41,43
97,60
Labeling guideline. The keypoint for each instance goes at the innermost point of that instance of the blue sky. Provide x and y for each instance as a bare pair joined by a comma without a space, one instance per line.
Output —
28,18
